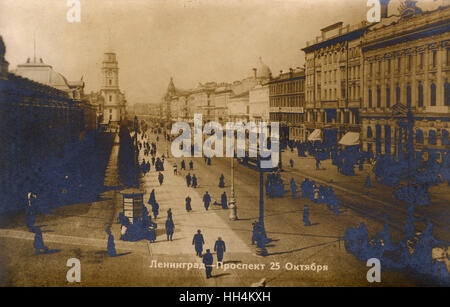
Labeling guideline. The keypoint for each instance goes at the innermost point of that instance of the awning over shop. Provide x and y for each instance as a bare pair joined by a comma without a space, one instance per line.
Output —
350,139
316,135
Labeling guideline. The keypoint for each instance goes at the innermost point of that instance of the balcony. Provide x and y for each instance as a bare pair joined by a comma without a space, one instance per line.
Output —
287,110
329,104
354,103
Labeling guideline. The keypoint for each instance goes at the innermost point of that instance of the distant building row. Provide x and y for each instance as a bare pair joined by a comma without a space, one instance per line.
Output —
356,88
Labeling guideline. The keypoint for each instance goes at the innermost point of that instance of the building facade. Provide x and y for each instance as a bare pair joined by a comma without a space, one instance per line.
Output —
334,82
407,67
40,123
287,103
259,103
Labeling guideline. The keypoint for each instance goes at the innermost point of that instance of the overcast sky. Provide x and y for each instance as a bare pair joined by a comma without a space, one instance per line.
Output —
192,41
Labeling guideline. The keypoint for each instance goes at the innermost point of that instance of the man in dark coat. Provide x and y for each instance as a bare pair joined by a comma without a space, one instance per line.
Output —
224,200
188,180
152,199
198,242
219,248
39,242
183,165
293,188
155,209
191,165
222,181
160,178
170,226
208,261
306,220
188,204
206,200
194,181
111,245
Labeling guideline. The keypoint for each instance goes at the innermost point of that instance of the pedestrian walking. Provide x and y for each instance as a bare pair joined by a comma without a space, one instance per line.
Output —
219,248
183,165
188,204
169,213
206,200
175,171
208,261
317,163
155,209
222,181
111,245
368,183
39,242
224,200
170,226
306,220
194,181
198,242
293,188
291,162
188,180
191,165
30,218
160,178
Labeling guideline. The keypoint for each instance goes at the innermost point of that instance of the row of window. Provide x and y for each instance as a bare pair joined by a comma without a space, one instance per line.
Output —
418,137
288,117
287,87
334,57
408,62
287,101
420,95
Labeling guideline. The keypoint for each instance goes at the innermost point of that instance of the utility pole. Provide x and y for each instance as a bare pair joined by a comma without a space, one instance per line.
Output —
233,207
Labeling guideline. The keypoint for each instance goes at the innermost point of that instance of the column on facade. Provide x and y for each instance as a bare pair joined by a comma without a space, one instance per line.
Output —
439,77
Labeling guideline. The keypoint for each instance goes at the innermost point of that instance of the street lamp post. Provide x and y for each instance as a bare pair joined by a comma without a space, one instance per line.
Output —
261,241
136,152
167,145
233,207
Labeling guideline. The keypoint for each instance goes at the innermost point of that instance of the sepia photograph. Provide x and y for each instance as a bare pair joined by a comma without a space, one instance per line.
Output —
199,144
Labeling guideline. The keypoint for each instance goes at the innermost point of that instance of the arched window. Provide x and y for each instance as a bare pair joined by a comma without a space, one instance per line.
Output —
432,94
419,136
432,137
420,94
408,95
446,94
444,138
369,132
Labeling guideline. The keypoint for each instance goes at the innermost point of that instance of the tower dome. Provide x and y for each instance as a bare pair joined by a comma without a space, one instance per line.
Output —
261,71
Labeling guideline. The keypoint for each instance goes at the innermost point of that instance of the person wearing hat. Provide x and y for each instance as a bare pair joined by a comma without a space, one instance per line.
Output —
208,261
219,248
198,242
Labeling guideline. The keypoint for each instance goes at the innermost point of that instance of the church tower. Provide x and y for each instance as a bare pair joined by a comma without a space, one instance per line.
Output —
114,100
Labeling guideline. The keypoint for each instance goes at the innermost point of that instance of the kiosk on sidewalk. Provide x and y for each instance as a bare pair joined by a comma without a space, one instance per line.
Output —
133,201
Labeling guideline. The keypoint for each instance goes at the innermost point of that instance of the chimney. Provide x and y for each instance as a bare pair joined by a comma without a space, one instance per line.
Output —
384,8
254,73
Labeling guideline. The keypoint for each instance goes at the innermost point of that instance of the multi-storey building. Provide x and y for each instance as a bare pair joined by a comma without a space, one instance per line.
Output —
334,82
42,119
407,67
259,103
287,103
219,102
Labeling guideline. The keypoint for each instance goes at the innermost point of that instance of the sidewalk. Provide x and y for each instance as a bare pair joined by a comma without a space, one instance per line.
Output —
438,211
